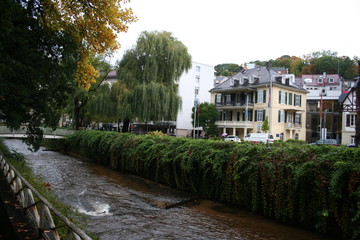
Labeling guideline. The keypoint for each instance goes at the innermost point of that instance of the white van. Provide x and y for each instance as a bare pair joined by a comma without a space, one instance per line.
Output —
259,137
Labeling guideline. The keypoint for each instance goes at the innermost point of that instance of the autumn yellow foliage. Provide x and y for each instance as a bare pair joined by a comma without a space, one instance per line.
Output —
94,24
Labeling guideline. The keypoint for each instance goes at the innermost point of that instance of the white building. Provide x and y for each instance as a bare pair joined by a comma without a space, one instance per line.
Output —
194,84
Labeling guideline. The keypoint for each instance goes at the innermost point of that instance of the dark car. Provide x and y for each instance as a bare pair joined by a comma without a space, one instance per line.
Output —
326,142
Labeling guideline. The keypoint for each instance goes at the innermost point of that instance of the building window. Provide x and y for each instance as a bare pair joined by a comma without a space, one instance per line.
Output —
290,98
260,96
197,68
228,99
282,97
297,100
196,91
220,115
319,80
297,119
331,80
350,120
197,79
228,116
281,116
287,81
333,88
259,115
218,98
352,140
296,136
248,114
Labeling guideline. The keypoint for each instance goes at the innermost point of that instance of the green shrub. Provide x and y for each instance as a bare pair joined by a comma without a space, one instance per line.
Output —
315,186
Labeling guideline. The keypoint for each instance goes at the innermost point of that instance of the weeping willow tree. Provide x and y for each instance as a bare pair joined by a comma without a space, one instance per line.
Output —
150,71
108,104
101,107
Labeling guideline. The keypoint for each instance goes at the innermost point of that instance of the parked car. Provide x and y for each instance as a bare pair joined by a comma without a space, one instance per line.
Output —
326,142
232,138
259,137
351,145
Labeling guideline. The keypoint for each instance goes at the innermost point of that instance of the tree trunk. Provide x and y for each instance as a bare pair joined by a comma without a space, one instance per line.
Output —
126,123
76,114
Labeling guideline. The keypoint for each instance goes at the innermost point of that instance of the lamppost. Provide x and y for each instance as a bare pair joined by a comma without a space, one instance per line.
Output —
321,105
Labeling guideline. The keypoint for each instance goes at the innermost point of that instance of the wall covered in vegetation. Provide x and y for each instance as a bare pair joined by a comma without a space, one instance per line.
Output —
316,187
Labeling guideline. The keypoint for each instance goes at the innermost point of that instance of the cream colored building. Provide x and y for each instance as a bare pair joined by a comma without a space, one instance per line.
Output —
246,99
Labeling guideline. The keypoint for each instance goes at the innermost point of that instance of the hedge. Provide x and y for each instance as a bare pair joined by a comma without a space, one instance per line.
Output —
313,186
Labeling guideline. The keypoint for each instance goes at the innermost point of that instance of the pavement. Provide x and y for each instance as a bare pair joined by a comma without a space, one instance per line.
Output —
13,223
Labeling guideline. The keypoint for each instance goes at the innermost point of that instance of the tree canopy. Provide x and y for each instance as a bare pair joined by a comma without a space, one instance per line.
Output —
93,24
206,116
227,69
46,49
37,68
313,63
150,72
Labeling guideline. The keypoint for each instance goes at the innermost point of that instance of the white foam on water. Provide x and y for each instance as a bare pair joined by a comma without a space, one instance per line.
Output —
99,209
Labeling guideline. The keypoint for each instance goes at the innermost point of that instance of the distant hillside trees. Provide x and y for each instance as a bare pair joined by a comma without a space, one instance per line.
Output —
313,63
227,69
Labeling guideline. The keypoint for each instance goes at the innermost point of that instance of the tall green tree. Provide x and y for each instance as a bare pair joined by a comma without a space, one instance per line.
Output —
150,72
329,62
37,69
206,116
80,99
265,126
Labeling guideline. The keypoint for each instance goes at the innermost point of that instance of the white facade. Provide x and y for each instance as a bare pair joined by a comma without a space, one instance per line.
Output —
194,84
328,87
349,116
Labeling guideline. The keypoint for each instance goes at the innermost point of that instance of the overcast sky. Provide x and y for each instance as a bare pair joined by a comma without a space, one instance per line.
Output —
238,31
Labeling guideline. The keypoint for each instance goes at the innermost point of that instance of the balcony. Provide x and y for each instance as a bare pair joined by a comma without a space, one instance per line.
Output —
292,126
235,124
234,105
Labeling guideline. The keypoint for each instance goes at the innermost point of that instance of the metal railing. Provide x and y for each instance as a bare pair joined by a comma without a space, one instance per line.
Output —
21,132
41,211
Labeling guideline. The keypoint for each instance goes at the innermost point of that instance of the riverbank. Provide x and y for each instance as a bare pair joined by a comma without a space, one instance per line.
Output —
124,206
310,186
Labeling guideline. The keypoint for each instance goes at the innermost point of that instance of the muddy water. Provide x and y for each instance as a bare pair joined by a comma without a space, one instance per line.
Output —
120,206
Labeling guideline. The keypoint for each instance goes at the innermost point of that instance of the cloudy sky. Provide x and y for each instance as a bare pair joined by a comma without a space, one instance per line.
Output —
238,31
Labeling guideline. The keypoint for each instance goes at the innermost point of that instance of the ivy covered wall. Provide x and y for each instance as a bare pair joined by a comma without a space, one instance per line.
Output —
312,186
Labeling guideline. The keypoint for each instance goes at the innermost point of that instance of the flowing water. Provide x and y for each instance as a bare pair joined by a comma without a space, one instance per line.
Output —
121,206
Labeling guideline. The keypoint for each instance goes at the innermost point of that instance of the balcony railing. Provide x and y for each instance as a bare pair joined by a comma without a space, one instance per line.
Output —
237,124
291,126
234,104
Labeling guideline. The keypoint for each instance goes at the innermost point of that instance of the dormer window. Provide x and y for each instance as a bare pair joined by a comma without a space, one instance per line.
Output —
241,81
320,80
253,78
236,81
283,80
278,78
331,80
231,82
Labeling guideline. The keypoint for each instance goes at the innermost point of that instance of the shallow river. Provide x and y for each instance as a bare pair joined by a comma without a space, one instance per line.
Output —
120,206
